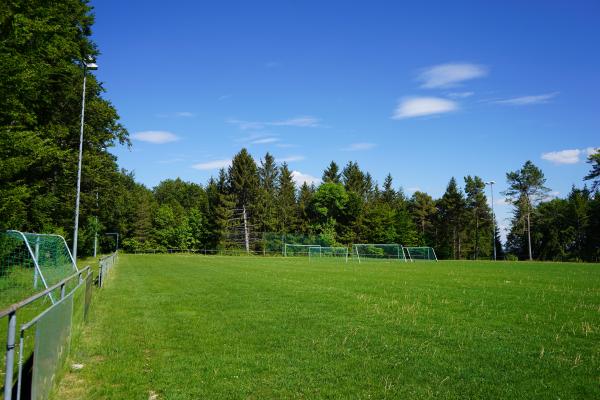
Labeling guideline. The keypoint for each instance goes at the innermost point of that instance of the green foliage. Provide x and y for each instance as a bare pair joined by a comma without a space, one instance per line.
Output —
594,174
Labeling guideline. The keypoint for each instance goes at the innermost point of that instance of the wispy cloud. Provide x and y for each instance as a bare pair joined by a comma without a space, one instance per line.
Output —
569,156
359,146
216,164
299,178
177,114
411,107
301,122
265,140
450,75
224,97
289,159
528,100
460,95
155,137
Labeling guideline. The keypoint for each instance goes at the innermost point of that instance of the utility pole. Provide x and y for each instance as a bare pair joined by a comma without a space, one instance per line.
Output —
246,234
491,183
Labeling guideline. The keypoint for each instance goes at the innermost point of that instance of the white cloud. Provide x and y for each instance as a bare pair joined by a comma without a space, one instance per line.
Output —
421,106
289,159
216,164
460,95
528,100
265,140
450,75
224,97
299,178
156,137
570,156
359,146
301,122
304,122
592,150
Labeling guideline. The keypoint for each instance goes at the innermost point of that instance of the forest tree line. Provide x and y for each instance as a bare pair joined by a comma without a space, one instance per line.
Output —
42,48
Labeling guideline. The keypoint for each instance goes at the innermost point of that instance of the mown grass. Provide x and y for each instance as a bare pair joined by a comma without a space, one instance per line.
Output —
196,327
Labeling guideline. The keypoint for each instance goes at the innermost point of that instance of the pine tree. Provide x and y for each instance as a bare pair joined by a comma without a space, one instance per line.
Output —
451,212
266,208
332,173
423,210
526,189
243,180
478,216
304,201
286,201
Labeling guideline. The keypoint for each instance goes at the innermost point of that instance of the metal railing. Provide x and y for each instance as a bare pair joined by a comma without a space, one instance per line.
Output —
78,279
105,265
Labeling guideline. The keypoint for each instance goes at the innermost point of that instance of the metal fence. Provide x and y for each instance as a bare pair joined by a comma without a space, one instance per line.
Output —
40,329
104,267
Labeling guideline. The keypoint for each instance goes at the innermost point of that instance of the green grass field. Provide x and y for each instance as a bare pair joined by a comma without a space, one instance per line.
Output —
196,327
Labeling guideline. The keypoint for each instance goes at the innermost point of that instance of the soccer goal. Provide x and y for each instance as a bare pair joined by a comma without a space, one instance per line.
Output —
299,250
328,252
421,253
385,251
30,262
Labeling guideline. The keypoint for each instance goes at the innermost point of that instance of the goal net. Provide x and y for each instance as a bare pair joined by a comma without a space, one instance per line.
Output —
299,250
31,262
421,253
328,252
378,252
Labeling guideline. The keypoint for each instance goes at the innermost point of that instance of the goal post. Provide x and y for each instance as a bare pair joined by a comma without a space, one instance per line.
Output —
378,251
338,252
422,253
299,250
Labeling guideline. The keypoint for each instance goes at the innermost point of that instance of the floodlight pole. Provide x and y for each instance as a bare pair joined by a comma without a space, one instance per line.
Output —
491,183
86,65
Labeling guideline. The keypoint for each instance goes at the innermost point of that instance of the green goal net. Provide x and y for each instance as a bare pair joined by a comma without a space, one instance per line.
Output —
421,253
325,252
31,262
299,250
384,251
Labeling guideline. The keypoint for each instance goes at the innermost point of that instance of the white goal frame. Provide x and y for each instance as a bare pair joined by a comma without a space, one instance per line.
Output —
399,251
308,246
323,249
428,248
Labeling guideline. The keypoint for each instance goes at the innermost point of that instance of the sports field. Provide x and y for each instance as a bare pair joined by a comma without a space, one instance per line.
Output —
209,327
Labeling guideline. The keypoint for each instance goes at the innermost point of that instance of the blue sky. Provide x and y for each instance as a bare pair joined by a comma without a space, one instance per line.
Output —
425,91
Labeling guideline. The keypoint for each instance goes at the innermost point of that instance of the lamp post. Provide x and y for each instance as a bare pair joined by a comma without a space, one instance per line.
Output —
491,183
87,65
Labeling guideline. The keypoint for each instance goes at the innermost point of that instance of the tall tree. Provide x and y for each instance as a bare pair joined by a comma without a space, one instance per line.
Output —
332,173
423,210
525,190
286,200
479,214
243,179
451,212
266,210
594,174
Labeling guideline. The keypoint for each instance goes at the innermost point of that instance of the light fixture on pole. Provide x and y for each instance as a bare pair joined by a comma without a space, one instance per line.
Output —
88,64
491,183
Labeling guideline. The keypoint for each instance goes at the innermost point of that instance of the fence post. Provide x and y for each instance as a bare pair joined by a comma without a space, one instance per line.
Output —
10,355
